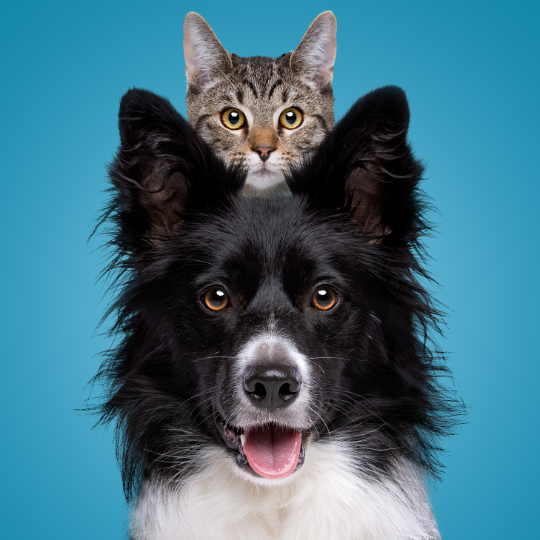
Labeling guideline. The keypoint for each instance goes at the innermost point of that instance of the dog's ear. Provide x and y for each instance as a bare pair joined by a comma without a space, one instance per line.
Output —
366,166
161,170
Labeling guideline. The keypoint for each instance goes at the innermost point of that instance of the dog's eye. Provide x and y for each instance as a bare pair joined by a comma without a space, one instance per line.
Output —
324,298
233,118
215,299
290,118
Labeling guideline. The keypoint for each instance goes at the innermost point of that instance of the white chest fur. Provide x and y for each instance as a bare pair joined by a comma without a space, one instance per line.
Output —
324,500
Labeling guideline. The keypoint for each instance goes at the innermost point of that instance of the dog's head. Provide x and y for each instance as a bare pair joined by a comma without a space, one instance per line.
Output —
263,325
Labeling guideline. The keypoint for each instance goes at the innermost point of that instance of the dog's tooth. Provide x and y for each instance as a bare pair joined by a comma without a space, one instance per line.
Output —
242,439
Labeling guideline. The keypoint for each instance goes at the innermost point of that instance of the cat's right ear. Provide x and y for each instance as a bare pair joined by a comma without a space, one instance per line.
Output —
162,170
204,54
314,58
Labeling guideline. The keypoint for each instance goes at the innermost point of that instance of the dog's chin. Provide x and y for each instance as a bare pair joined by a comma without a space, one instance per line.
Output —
265,454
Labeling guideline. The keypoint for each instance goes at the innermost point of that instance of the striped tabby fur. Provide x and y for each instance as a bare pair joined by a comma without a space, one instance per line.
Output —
261,88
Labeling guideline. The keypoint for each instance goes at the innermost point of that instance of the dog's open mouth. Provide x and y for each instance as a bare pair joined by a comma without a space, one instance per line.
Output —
269,450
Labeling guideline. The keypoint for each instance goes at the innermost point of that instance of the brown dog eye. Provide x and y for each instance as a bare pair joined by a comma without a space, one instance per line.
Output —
215,299
233,118
290,118
324,298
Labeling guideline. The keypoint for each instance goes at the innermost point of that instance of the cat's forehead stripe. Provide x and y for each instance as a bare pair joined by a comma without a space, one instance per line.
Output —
250,85
274,86
285,95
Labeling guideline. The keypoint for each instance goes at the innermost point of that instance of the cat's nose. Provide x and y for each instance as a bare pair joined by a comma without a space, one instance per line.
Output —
263,151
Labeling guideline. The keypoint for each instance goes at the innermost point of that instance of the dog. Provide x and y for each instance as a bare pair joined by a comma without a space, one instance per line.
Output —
274,376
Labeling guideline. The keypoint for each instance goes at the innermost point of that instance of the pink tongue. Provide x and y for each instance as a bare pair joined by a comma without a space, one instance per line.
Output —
272,451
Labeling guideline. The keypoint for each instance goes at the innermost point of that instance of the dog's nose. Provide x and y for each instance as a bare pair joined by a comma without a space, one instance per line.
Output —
272,386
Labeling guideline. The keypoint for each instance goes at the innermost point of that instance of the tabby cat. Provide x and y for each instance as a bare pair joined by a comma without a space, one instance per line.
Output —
267,113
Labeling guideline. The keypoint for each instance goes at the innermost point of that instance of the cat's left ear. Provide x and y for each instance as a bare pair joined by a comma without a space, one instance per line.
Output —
314,58
204,54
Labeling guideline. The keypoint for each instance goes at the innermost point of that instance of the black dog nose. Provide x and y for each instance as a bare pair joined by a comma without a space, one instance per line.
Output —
272,386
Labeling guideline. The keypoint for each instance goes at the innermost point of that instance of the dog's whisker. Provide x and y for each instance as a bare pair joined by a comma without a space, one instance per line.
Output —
216,357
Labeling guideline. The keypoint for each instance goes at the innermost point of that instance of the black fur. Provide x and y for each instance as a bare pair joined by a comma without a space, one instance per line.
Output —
354,222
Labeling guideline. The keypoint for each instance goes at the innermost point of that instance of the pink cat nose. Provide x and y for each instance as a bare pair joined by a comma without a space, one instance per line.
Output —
264,151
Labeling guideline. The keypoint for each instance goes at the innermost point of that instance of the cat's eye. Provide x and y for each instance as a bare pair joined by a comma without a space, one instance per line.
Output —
215,299
233,118
291,118
324,298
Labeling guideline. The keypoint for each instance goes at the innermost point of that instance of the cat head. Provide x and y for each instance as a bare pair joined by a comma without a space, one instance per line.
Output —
266,113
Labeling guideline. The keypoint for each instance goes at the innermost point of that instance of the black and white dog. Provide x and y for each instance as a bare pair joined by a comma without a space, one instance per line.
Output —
274,377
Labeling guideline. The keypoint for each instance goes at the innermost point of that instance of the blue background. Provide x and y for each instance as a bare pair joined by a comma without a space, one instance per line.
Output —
471,72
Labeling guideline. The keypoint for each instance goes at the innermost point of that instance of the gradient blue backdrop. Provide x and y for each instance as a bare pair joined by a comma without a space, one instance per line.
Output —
471,72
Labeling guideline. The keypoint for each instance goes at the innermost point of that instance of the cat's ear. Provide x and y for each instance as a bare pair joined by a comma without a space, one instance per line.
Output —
366,167
161,170
204,54
314,58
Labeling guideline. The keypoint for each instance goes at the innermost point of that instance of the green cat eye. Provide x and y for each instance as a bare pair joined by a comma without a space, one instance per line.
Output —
233,118
290,118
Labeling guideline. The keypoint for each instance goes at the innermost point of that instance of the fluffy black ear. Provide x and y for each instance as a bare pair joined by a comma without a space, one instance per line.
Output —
366,166
161,170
